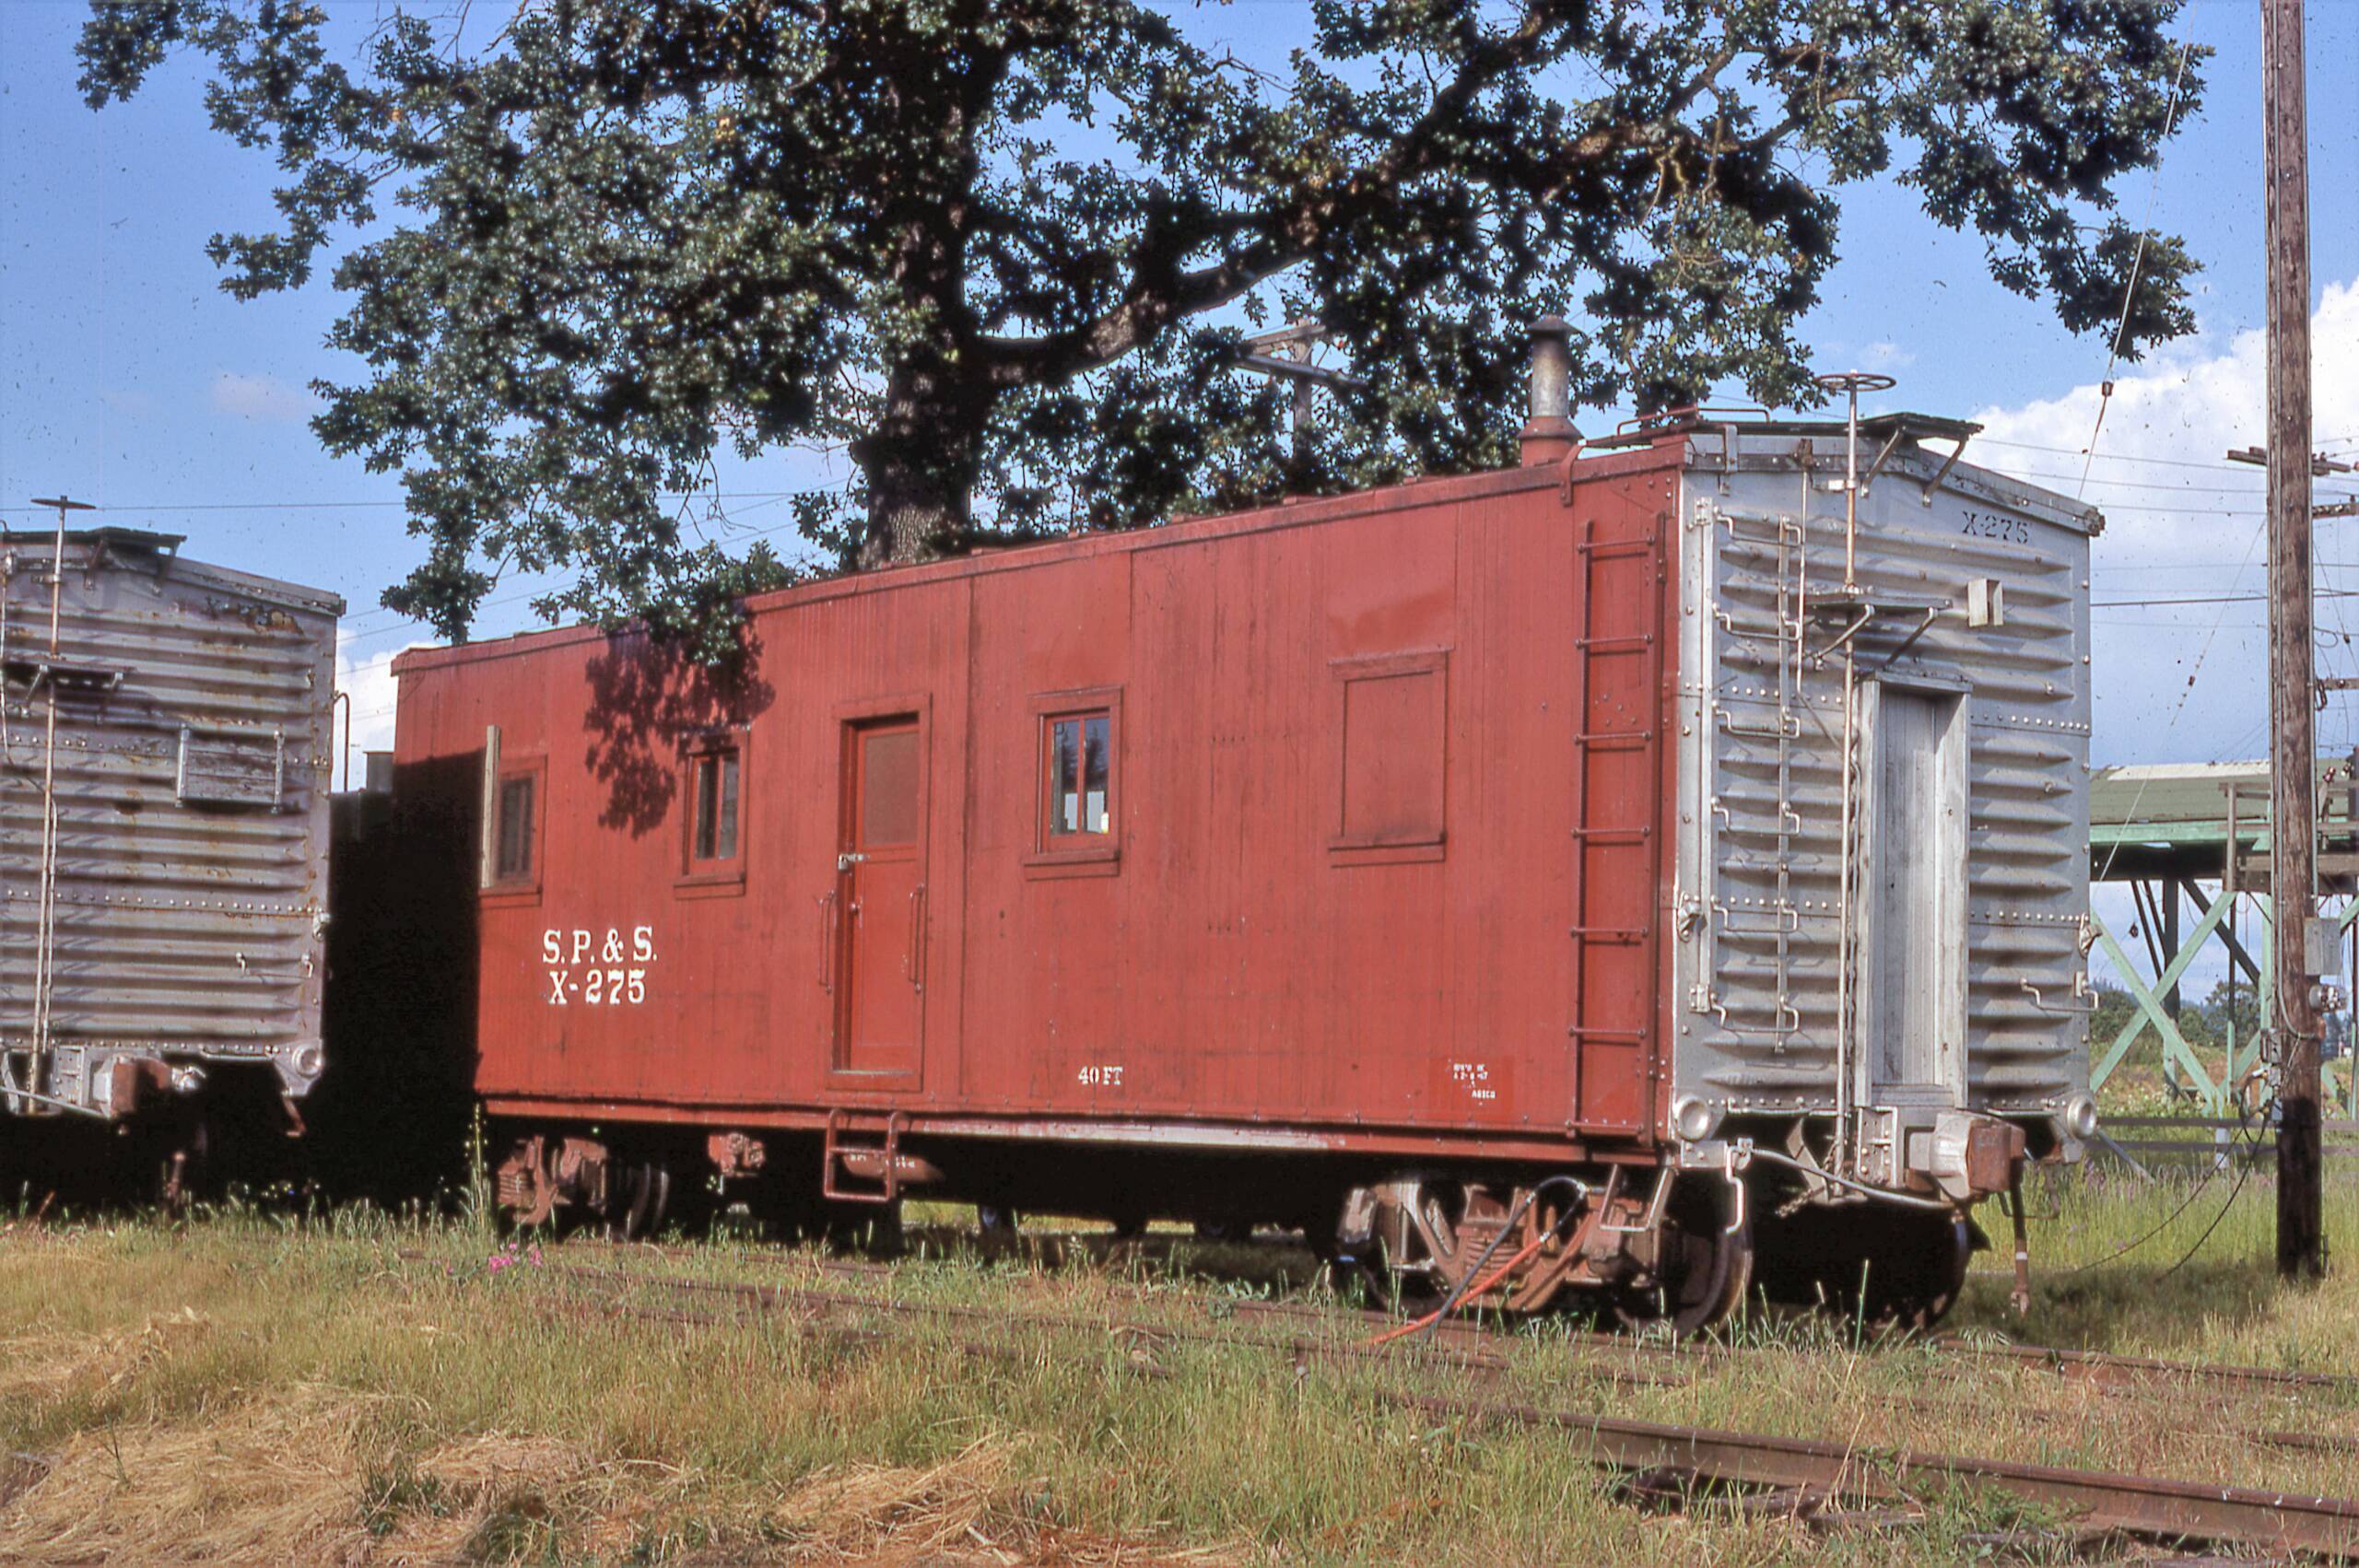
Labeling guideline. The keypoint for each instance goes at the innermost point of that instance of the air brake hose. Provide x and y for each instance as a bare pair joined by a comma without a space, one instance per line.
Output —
1431,1321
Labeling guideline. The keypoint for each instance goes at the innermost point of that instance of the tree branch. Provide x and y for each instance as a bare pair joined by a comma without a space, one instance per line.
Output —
1157,296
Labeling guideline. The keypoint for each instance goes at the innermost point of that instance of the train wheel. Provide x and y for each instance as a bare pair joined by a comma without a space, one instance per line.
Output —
1129,1227
637,1211
871,1229
1370,1272
996,1221
1883,1267
1704,1264
1919,1273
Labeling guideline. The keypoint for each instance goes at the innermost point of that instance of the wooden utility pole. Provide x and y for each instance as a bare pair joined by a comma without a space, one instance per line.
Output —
2294,770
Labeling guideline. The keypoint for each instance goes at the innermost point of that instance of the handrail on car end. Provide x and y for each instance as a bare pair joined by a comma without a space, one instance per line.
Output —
1881,1194
1688,415
344,697
14,1092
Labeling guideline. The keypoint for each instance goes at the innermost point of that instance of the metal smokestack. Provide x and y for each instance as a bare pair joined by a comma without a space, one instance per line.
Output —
1548,432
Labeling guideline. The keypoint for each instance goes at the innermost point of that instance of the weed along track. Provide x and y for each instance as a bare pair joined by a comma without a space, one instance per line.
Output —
2120,1371
1469,1375
2144,1507
1464,1349
842,1313
2100,1369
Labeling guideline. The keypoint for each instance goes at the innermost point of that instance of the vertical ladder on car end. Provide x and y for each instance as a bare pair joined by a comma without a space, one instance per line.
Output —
836,1154
1625,852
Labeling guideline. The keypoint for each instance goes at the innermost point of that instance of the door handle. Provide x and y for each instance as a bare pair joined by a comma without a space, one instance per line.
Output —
845,861
827,941
914,951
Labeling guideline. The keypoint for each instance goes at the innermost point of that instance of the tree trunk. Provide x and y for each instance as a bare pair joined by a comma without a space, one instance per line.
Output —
921,462
907,521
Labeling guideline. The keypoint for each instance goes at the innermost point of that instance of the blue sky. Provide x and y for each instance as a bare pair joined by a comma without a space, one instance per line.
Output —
127,378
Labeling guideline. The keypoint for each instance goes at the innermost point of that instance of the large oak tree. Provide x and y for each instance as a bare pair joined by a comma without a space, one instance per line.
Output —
1002,250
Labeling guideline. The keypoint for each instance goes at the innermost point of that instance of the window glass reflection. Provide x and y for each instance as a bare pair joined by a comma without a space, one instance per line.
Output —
1095,770
1064,771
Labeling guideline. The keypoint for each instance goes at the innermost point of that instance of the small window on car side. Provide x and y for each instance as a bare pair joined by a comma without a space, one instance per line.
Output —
512,845
1079,807
1080,776
714,778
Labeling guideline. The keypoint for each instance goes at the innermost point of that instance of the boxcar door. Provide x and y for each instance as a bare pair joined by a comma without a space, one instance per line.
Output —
880,888
1917,889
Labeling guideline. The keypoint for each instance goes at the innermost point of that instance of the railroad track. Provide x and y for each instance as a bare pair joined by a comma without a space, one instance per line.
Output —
1805,1474
1465,1347
2103,1369
1460,1350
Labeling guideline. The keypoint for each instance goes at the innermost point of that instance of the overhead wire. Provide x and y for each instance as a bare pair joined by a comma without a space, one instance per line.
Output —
2211,598
2176,487
333,506
2220,464
2137,265
411,623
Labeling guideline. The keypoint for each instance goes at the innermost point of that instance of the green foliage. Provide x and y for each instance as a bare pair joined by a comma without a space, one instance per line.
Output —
2206,1023
999,249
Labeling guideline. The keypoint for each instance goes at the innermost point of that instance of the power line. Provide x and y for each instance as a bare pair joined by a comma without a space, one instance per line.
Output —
336,506
2212,599
2189,512
2180,487
409,623
227,507
2111,457
2137,263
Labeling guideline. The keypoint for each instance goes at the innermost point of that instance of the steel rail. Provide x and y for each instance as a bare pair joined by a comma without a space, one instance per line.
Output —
2103,1368
2147,1506
808,1304
1465,1359
2107,1369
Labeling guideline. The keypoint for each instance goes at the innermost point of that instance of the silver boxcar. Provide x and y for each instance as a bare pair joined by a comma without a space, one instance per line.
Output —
165,747
1883,862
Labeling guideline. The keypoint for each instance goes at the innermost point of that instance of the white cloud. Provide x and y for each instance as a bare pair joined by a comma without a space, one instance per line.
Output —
1883,356
2187,682
263,398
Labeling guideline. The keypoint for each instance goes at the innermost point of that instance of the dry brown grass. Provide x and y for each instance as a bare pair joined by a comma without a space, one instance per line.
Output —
161,1458
950,1512
273,1480
297,1478
49,1366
